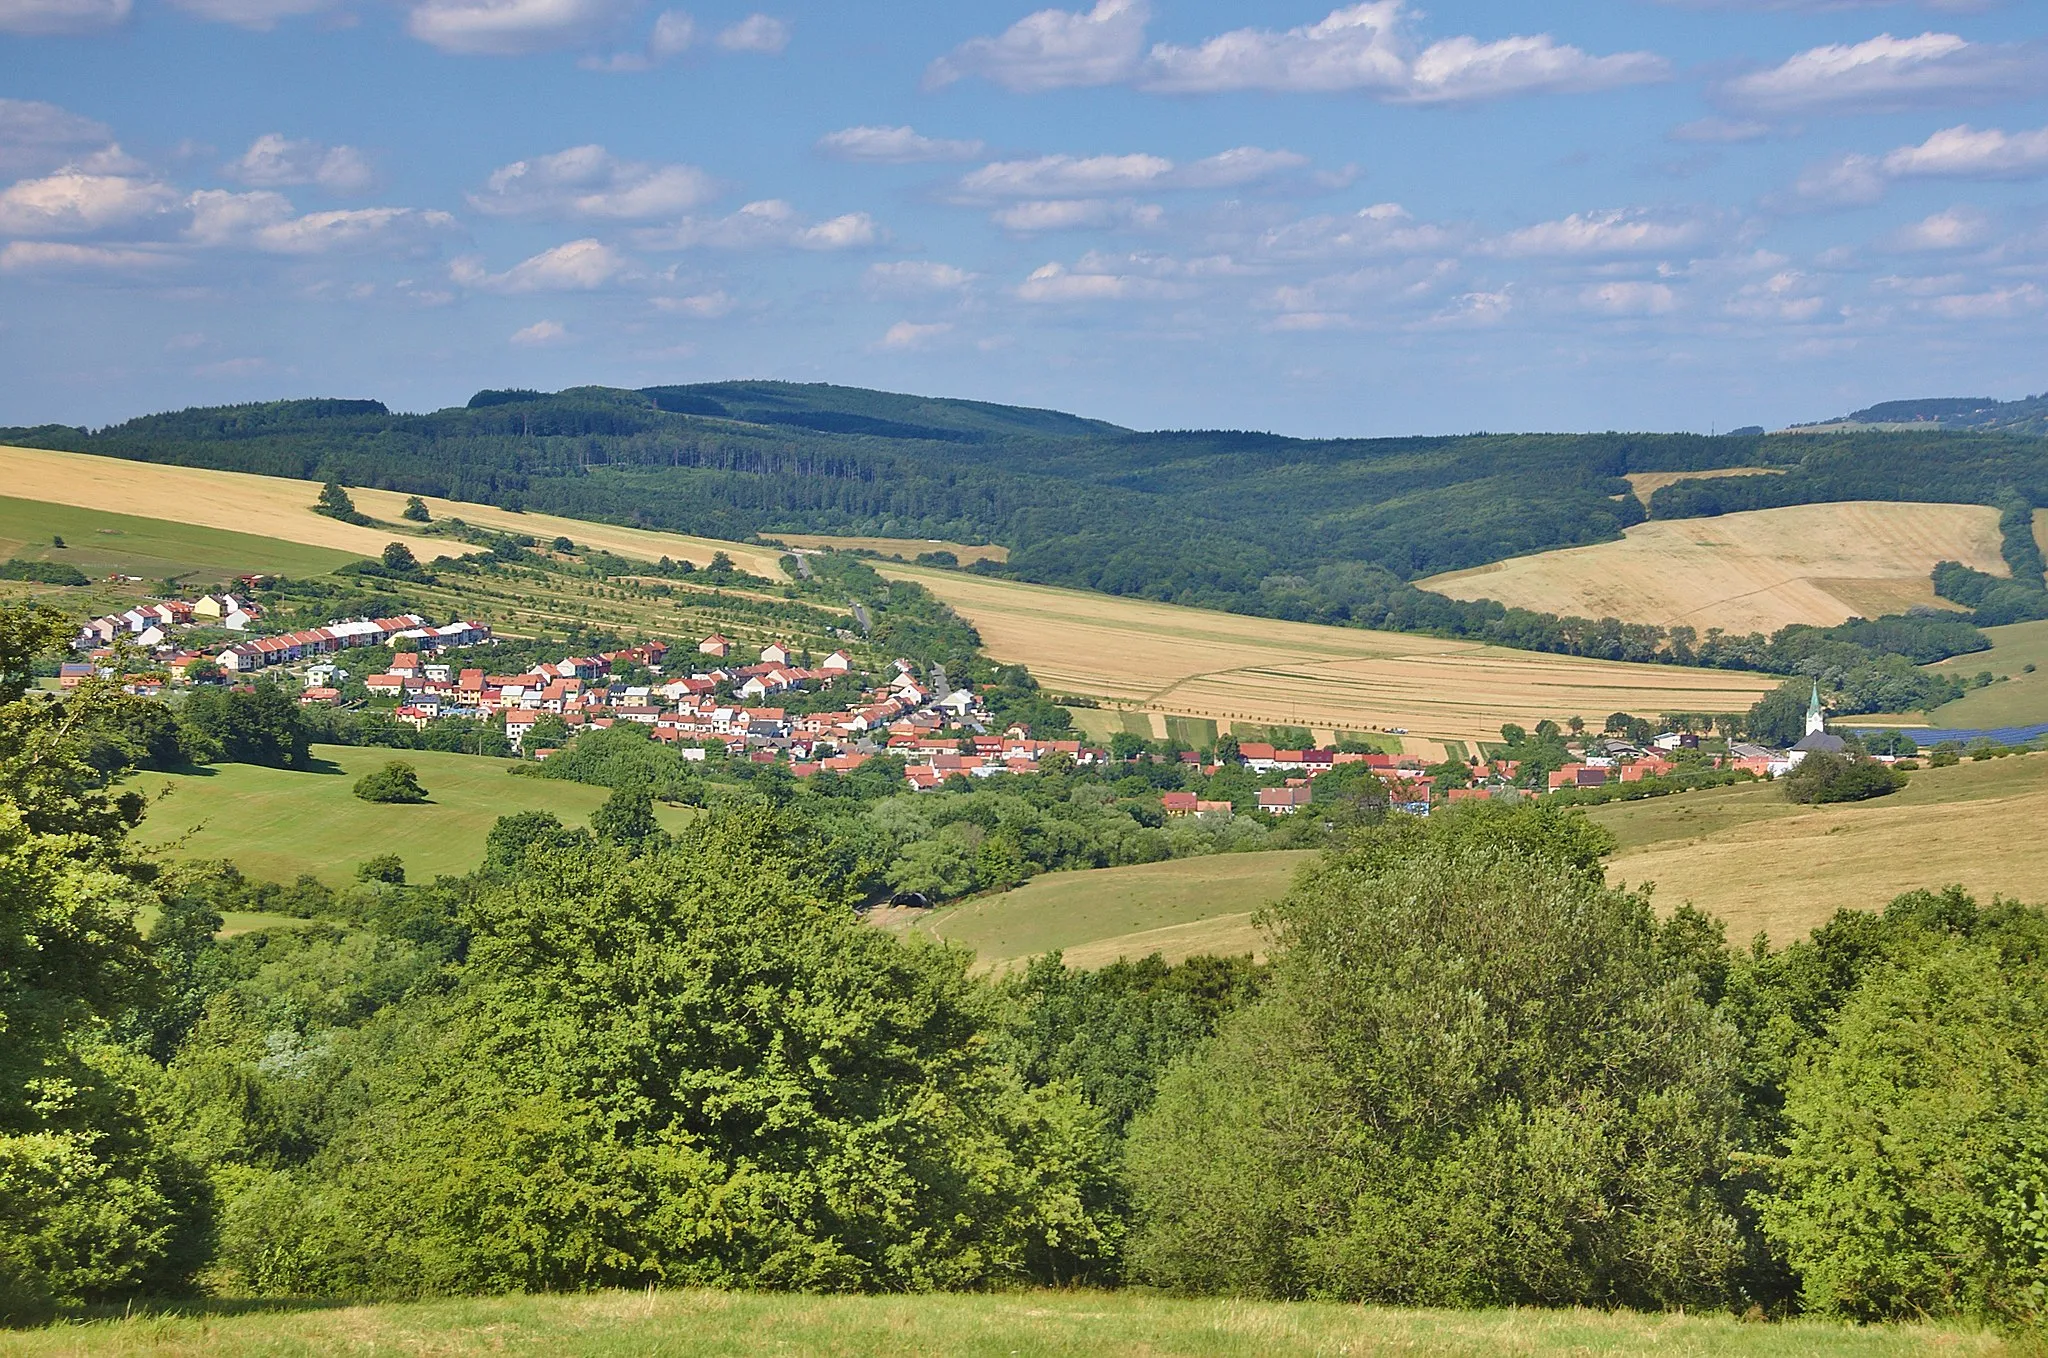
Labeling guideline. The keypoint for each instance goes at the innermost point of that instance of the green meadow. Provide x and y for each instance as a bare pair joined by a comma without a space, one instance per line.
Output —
1024,1325
101,544
2021,700
1177,908
275,823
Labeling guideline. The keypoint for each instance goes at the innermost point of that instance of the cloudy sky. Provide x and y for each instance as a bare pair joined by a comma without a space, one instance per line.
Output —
1382,218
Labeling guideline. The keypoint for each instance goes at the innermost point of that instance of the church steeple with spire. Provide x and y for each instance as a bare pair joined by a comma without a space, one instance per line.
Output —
1815,721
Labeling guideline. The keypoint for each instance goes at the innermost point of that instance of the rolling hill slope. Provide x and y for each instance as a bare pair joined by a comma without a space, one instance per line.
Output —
1750,572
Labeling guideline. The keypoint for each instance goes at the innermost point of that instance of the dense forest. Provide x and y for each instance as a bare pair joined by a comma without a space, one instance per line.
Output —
1472,1072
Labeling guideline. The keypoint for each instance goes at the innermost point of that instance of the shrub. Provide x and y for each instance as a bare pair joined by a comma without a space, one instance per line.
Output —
415,510
385,867
397,782
1823,777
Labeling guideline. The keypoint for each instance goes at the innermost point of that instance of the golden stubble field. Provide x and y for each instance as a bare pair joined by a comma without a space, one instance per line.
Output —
904,549
1750,572
279,507
1189,662
1766,865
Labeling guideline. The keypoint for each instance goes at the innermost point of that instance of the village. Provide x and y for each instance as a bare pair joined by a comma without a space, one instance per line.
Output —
733,705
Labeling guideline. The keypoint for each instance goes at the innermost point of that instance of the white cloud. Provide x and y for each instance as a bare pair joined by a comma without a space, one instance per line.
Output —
1599,234
1053,49
577,266
1071,176
1076,214
588,183
1721,131
273,160
256,14
673,33
911,335
766,225
36,138
1092,283
1787,295
1065,175
1958,228
1361,47
1888,72
540,332
703,306
63,16
755,33
894,146
1953,153
221,218
353,230
1464,69
916,275
513,27
1629,299
266,221
73,203
2022,299
62,258
1381,229
1966,153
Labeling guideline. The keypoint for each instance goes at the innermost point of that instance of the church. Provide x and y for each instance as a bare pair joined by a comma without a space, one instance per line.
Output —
1818,739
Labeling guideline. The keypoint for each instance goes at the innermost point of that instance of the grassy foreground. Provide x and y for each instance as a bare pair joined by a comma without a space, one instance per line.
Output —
275,824
691,1323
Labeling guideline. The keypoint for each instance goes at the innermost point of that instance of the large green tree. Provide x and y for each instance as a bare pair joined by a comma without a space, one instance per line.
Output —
1480,1077
692,1066
91,1208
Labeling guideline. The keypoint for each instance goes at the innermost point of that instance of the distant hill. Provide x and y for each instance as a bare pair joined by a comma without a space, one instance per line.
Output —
2028,415
1324,530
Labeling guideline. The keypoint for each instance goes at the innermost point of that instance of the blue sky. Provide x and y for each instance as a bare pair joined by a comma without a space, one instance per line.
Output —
1382,218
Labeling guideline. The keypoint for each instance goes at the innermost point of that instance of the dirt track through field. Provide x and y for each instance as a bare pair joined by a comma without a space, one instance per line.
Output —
1750,572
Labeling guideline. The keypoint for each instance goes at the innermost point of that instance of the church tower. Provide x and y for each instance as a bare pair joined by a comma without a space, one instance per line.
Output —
1815,722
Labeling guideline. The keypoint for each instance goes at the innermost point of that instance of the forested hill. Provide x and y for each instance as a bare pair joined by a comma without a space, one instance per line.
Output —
1324,528
2028,415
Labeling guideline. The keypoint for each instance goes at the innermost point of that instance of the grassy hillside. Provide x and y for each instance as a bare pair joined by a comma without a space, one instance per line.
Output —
67,494
276,824
1766,865
100,542
1188,906
1176,662
1032,1324
2021,700
1750,572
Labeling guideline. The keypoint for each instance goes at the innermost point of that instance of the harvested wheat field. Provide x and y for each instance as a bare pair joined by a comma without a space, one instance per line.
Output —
644,544
1191,662
1646,484
903,549
279,507
268,506
1766,865
1750,572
